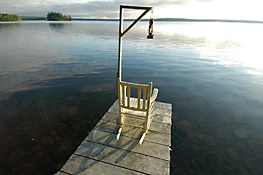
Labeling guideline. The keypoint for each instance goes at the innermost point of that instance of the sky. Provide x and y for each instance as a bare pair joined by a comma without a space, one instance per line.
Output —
194,9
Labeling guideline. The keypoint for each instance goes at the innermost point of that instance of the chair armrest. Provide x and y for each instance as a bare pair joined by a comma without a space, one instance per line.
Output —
154,95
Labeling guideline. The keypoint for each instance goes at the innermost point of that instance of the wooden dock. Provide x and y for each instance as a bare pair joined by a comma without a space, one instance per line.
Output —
101,153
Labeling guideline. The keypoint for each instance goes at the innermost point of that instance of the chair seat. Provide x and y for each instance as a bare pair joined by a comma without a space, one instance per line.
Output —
134,113
133,104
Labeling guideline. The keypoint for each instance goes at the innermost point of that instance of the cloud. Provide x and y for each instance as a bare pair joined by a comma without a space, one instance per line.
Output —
208,9
81,8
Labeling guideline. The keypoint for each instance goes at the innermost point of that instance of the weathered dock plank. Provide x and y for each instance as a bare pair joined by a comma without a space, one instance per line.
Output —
159,138
101,153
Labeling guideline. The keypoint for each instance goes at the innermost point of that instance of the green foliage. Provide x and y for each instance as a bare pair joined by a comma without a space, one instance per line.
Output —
9,17
56,16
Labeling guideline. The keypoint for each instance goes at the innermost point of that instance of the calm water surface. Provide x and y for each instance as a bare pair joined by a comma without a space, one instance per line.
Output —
57,79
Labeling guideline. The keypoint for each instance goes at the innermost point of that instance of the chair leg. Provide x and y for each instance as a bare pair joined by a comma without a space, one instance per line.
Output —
142,138
122,118
119,134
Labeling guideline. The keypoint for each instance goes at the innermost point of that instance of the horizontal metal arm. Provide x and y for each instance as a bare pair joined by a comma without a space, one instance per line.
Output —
135,7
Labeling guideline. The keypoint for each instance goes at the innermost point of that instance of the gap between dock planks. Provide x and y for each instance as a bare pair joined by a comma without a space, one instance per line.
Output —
101,153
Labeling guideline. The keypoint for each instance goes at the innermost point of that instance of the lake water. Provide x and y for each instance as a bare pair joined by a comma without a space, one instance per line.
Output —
57,79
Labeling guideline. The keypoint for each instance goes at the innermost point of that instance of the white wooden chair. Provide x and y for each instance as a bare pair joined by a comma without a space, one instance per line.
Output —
142,106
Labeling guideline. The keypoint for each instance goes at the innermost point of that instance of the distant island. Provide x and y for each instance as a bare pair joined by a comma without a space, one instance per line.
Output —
56,16
9,17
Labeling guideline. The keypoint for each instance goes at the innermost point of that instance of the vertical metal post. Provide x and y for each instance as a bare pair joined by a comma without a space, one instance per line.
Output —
120,45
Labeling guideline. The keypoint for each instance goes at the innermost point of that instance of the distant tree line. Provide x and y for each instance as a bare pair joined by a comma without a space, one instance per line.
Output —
9,17
33,18
56,16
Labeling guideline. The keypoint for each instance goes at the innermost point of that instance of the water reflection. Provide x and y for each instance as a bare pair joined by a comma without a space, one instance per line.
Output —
56,85
59,26
227,44
35,77
9,25
27,62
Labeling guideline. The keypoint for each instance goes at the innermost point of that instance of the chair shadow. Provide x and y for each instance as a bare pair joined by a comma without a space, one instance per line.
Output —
92,156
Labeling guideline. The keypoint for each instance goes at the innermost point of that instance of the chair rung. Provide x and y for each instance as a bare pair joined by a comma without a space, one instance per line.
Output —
133,126
134,115
134,109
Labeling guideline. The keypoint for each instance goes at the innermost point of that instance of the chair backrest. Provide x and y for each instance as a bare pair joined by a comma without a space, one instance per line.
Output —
139,102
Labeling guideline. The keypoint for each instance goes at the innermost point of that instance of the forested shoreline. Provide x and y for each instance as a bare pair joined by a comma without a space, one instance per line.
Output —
9,17
56,16
51,16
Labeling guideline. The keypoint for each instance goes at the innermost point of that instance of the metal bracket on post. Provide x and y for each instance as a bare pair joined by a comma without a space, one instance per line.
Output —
121,33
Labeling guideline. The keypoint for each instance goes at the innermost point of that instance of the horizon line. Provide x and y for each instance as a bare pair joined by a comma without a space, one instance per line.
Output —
157,19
